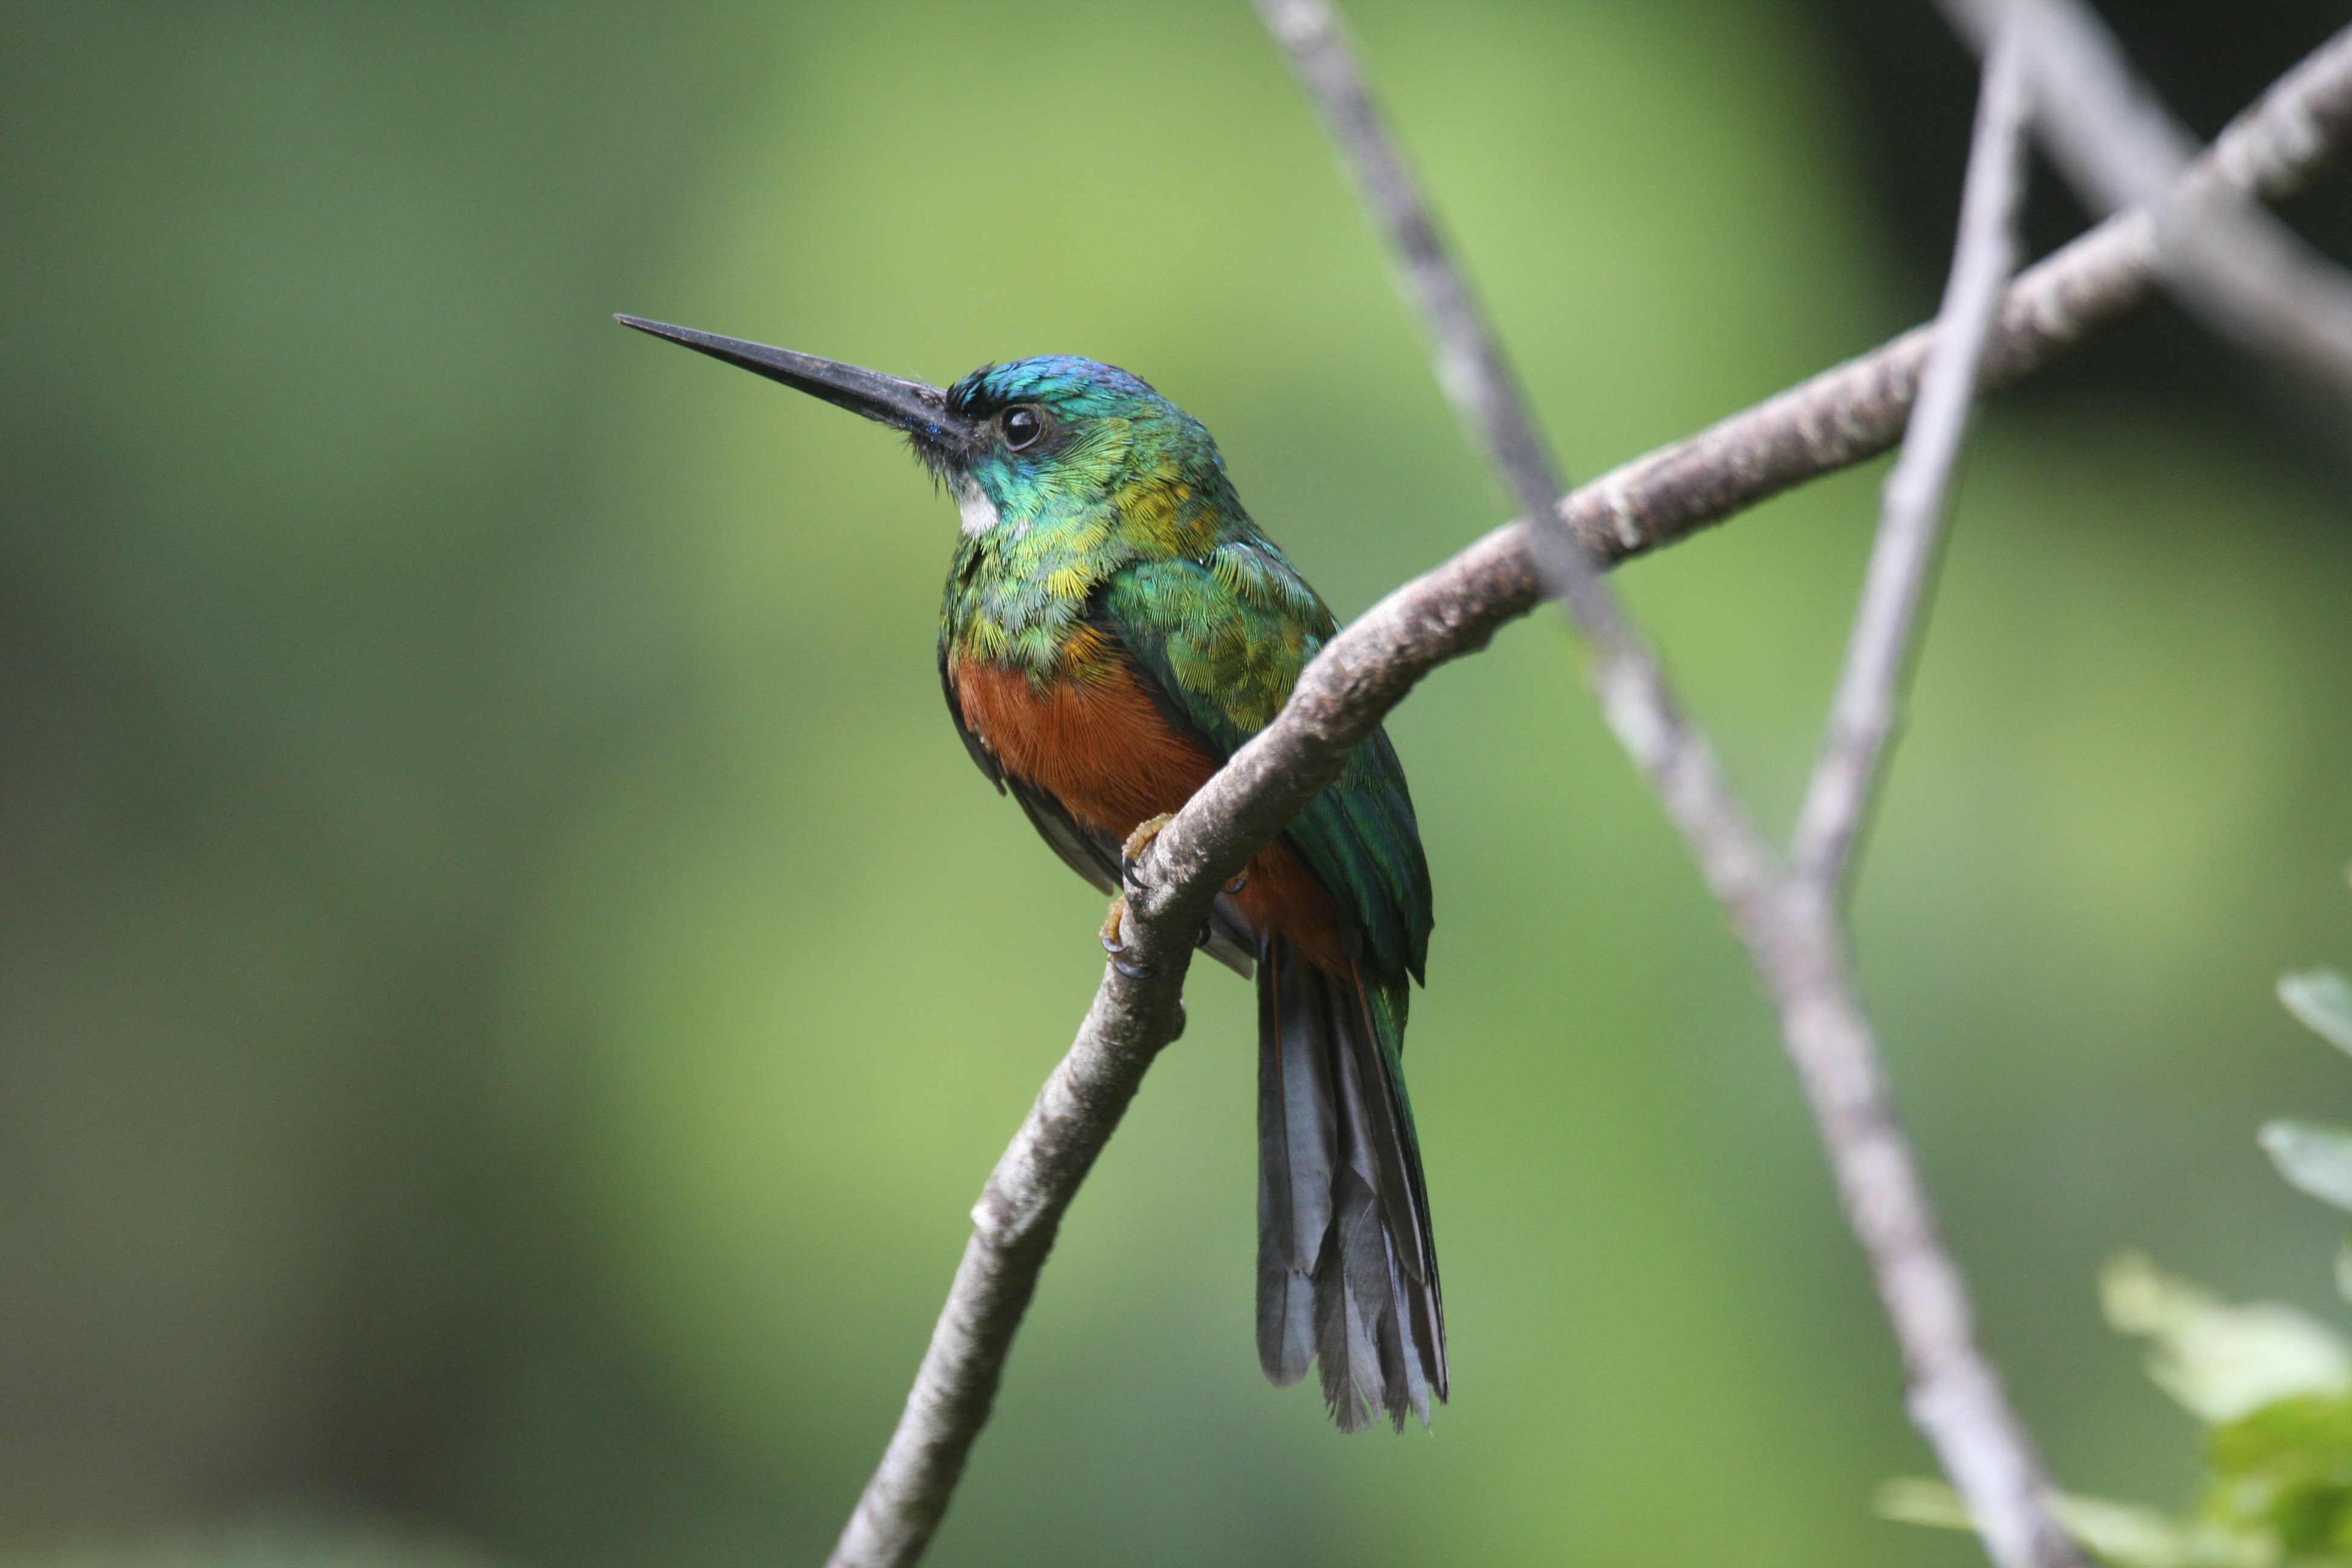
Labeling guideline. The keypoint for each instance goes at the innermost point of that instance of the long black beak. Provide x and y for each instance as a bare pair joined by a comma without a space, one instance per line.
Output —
919,409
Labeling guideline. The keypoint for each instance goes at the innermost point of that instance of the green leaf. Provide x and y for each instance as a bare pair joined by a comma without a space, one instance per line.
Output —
1916,1499
2344,1270
2315,1158
2223,1361
2131,1536
2286,1470
2322,999
2122,1533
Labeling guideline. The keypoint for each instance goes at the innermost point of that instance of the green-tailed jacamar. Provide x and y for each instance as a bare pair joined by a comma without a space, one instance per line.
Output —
1115,627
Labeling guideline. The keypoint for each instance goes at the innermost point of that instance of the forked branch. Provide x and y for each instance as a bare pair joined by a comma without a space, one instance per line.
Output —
1788,921
1837,418
2233,266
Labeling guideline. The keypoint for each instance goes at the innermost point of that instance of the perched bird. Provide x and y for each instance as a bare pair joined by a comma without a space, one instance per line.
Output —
1115,627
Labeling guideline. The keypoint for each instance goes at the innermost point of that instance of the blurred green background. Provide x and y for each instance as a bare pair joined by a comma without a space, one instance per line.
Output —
509,984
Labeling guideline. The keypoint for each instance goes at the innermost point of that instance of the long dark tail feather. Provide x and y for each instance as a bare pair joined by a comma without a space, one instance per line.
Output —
1347,1269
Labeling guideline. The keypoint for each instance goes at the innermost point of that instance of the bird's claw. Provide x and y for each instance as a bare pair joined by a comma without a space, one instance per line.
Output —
1136,843
1114,943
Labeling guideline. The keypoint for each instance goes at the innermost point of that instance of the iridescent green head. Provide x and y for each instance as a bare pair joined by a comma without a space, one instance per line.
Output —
1011,441
1060,434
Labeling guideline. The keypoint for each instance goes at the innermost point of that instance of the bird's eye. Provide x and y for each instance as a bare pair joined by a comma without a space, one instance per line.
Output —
1023,428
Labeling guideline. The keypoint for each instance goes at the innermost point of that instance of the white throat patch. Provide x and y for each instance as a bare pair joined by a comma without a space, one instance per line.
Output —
978,513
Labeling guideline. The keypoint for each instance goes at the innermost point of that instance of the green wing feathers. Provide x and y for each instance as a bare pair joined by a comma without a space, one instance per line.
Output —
1225,637
1346,1266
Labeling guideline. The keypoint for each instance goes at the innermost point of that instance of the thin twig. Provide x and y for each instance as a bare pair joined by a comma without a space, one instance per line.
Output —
1471,367
1013,1228
1856,410
1914,506
1957,1399
1475,375
1838,418
2235,267
1470,364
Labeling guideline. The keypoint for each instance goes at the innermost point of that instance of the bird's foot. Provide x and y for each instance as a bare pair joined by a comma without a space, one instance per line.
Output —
1129,854
1114,942
1136,843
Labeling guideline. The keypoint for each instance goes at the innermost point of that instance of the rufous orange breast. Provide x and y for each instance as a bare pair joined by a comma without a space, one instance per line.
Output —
1099,744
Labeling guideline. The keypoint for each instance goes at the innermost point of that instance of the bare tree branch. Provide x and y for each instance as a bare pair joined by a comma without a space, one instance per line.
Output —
1471,367
1956,1400
1635,694
2235,267
1013,1228
1912,512
1793,938
1856,410
1838,418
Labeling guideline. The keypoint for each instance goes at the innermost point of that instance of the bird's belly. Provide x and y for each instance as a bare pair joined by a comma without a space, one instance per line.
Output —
1100,746
1097,742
